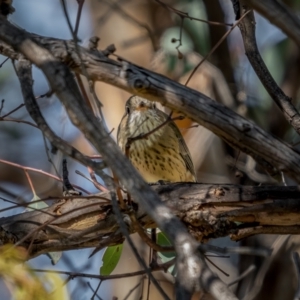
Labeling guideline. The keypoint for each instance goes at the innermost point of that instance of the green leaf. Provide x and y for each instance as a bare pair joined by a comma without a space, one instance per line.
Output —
162,240
36,205
110,259
54,256
166,256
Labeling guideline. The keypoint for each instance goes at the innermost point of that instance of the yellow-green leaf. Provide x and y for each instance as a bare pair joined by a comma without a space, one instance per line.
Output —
110,259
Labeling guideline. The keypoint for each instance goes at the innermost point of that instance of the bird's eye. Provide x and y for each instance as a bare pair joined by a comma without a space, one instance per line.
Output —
127,109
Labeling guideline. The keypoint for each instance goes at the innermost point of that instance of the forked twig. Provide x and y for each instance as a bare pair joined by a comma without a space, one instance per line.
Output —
215,47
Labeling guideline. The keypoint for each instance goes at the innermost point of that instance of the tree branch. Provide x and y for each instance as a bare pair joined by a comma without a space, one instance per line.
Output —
208,210
247,27
280,15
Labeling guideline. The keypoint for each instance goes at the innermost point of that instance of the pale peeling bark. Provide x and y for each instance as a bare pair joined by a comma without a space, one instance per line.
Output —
208,211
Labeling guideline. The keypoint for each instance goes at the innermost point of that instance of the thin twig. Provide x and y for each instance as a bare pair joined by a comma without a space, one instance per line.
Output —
23,104
133,289
1,107
218,268
147,134
75,38
90,286
100,186
148,279
38,171
98,104
128,17
96,290
30,182
238,250
82,67
29,248
186,15
5,60
296,260
180,55
119,193
12,111
160,267
78,17
83,91
48,155
94,181
19,121
215,47
243,275
140,230
25,204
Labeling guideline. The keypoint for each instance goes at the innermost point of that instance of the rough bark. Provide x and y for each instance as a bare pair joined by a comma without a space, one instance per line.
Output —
208,211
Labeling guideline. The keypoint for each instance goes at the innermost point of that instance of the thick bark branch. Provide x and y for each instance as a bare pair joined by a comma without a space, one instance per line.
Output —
208,210
280,15
284,103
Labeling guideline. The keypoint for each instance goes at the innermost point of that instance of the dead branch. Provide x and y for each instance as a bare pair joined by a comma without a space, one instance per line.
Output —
208,210
284,103
280,15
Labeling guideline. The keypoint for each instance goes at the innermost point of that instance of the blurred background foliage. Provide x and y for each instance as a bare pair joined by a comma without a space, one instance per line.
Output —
147,34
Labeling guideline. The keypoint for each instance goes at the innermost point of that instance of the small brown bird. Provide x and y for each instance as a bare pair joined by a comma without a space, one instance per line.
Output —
163,154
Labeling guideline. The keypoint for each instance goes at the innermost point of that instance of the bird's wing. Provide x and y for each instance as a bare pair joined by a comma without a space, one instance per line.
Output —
184,151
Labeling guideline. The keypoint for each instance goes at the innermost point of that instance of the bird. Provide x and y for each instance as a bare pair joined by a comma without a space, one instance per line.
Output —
154,144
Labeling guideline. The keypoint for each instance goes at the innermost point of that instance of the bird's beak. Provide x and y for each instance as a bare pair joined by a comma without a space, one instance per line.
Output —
142,107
